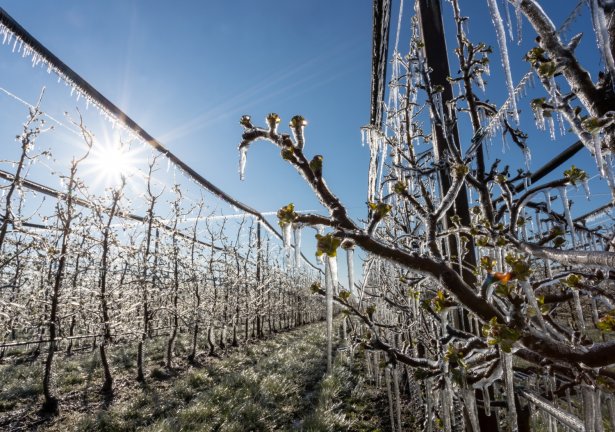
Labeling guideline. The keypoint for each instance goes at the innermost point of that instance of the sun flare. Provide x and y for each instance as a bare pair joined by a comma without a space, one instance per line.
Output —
111,162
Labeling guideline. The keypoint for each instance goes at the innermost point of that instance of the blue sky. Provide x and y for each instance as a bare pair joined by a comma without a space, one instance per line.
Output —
186,72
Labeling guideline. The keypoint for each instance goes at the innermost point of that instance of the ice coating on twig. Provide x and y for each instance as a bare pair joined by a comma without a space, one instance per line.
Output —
563,417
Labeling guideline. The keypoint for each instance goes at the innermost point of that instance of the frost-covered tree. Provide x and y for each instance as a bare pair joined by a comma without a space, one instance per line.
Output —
509,304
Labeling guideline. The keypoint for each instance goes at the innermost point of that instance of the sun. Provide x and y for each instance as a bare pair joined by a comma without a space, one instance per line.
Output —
110,162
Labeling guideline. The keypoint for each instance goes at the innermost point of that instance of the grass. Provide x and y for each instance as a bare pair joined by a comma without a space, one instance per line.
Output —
346,402
274,384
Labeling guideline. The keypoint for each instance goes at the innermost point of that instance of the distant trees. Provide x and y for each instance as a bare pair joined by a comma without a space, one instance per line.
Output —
509,300
79,271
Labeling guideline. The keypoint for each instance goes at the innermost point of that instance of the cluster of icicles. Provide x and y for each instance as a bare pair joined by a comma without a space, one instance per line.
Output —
581,412
604,162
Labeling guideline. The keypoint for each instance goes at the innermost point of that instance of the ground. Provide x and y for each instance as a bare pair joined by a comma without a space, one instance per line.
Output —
279,383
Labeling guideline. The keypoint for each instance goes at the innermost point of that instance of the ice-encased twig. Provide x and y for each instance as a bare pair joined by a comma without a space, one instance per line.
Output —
563,417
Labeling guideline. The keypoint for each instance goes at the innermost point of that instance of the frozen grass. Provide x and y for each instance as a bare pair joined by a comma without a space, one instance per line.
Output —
346,402
261,386
274,384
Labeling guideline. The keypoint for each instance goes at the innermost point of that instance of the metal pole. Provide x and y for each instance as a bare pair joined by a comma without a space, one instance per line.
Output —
432,30
380,49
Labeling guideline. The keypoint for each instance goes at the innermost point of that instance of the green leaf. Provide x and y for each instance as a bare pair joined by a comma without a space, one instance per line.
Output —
344,295
574,175
327,244
287,215
297,121
380,209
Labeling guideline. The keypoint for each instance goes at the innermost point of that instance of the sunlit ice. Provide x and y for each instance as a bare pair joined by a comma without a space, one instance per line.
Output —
110,161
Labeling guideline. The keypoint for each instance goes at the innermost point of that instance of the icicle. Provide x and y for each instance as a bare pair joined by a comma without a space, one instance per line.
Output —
548,201
446,403
297,235
508,20
486,401
427,425
588,408
519,21
598,154
531,298
564,196
539,118
611,407
608,167
439,107
350,266
329,300
373,143
396,393
387,376
594,306
578,309
551,124
470,406
601,27
527,157
332,264
286,236
586,188
243,156
507,367
445,406
501,36
598,411
481,84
